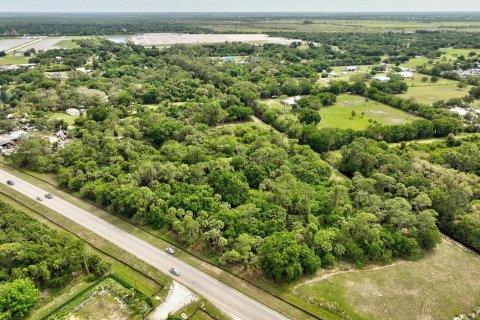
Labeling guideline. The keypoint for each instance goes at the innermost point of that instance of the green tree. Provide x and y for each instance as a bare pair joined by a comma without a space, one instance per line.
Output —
309,116
475,92
233,187
16,298
283,259
32,153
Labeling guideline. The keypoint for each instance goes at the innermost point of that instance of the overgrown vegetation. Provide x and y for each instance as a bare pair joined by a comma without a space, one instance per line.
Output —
254,198
165,140
34,258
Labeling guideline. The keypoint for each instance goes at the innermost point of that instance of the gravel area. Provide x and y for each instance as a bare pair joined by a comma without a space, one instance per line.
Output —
177,298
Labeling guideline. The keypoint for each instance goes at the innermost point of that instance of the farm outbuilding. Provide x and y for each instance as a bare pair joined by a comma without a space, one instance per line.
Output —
407,74
382,78
73,111
291,101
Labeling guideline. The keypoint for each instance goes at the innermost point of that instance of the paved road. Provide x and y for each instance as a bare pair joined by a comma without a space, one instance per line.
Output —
232,302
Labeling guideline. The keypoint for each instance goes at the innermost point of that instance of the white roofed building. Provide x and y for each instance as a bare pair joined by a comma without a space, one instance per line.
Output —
407,74
291,101
381,78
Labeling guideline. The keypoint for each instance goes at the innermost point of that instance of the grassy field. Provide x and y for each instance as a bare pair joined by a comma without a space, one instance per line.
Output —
415,62
275,104
440,286
13,59
448,55
340,114
67,44
330,25
70,120
428,94
453,53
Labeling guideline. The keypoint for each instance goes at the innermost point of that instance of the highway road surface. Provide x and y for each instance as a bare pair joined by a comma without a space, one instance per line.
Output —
232,302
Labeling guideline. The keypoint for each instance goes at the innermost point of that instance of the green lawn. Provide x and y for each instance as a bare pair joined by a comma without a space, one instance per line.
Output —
67,44
13,59
332,25
276,105
444,284
340,114
453,54
449,55
70,120
429,93
476,104
415,62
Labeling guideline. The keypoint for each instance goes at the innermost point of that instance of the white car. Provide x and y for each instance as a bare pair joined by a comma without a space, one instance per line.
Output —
175,272
170,250
39,198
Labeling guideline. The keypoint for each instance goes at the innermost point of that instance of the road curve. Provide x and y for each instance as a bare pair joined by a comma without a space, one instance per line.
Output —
232,302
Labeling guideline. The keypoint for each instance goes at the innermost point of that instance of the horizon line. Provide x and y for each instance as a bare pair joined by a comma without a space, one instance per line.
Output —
249,12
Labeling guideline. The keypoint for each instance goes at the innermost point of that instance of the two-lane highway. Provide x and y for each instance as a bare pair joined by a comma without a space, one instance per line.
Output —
232,302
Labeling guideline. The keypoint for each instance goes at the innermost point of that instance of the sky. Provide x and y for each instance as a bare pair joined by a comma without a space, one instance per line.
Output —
237,5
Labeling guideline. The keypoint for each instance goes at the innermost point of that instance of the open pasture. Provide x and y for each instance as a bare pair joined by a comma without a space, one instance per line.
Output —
13,59
442,285
429,93
340,114
336,25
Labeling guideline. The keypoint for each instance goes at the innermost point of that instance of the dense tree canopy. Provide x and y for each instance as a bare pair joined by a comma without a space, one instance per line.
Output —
166,141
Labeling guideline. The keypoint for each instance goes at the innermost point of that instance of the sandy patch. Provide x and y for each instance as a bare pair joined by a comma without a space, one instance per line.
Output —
178,297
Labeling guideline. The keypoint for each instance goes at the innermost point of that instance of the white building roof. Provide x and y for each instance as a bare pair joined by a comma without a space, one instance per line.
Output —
406,74
73,111
459,110
291,100
382,78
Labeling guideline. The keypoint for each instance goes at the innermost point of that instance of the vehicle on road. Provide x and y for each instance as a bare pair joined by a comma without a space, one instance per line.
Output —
39,198
170,250
175,272
10,182
49,196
